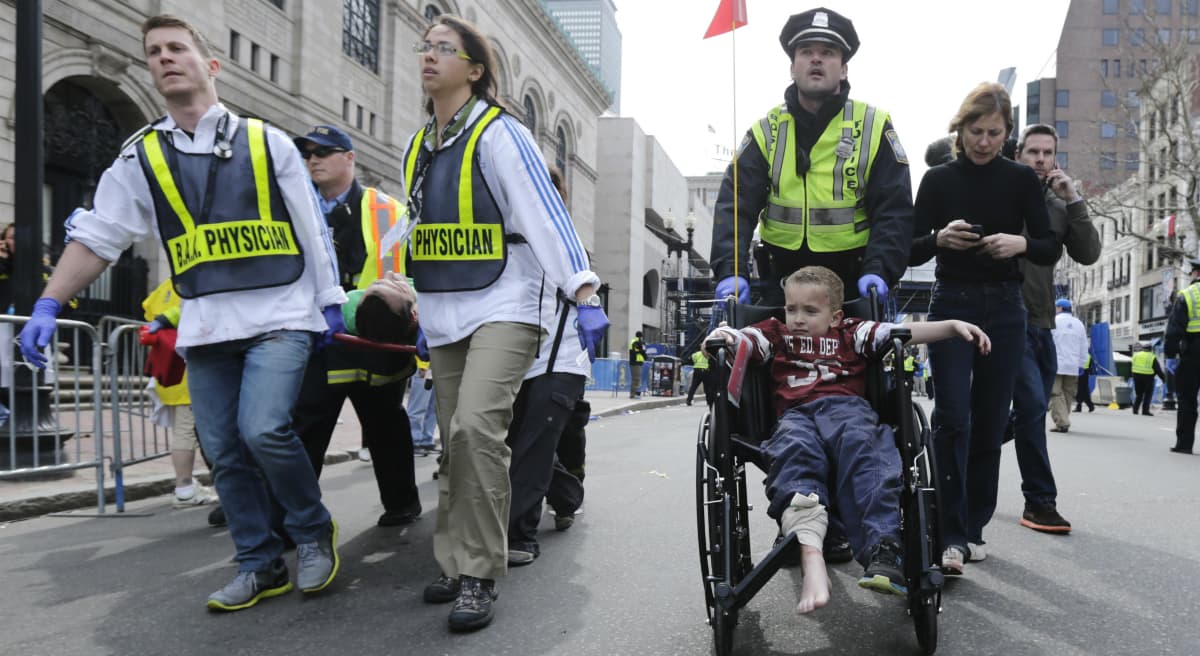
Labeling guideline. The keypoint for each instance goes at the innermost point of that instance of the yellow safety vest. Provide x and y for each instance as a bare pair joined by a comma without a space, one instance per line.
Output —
1191,295
910,364
1143,363
638,357
827,204
246,241
163,301
379,213
699,361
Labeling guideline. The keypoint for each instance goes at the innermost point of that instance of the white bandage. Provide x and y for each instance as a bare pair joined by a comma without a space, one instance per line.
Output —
807,518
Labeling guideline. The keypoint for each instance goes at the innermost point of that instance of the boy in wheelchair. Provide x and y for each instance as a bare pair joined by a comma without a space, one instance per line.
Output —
828,444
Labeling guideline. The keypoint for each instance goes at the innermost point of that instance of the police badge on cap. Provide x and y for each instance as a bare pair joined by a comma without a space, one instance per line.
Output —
821,25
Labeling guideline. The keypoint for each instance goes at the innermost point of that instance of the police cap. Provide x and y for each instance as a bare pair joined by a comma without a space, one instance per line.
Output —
1194,262
822,25
325,135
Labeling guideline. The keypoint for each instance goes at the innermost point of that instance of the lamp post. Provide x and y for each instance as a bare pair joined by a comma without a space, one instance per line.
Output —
681,250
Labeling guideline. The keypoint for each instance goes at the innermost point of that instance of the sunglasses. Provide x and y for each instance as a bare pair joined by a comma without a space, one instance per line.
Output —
322,151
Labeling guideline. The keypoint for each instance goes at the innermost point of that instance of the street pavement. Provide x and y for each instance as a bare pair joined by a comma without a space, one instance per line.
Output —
625,579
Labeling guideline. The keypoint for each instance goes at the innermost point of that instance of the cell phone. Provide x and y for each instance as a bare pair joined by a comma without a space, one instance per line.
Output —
977,229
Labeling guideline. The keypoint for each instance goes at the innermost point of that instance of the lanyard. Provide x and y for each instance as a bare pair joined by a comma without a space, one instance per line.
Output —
222,150
416,194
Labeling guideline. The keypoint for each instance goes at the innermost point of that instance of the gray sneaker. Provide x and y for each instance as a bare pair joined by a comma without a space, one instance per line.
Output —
247,588
317,562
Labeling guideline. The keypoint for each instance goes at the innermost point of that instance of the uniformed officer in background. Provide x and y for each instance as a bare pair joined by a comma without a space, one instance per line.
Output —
824,174
1182,348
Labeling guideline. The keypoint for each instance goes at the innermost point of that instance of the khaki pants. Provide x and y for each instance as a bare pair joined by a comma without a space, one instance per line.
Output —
183,429
1062,397
476,383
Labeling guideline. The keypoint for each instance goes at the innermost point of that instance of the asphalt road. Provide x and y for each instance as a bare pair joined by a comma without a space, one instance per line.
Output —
625,579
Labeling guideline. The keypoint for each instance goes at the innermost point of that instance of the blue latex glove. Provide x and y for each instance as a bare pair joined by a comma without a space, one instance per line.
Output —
1172,364
725,288
871,280
592,323
422,345
154,326
36,334
333,319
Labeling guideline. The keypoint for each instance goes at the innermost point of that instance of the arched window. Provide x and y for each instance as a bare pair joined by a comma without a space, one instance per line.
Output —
560,150
530,115
432,12
650,282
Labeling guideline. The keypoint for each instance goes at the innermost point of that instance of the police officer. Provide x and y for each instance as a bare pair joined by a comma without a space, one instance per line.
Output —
359,218
1182,348
700,376
637,358
823,176
1144,367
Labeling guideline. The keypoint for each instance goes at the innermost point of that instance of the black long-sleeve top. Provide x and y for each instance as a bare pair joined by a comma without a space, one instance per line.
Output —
1003,196
888,200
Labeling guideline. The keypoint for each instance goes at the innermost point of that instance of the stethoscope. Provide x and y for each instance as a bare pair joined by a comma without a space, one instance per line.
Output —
222,147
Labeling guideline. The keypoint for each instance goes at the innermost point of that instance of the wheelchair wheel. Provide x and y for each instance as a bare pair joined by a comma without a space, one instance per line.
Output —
921,531
721,522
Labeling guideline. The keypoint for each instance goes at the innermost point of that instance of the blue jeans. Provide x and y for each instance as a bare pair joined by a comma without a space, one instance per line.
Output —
422,411
1030,400
837,444
242,396
974,392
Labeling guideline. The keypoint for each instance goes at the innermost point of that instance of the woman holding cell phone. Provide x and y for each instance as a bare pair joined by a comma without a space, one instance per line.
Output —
970,214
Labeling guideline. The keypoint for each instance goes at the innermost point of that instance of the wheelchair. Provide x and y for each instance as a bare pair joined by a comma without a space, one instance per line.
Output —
730,437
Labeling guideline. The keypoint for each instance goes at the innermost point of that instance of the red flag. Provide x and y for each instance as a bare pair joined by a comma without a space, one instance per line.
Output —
730,16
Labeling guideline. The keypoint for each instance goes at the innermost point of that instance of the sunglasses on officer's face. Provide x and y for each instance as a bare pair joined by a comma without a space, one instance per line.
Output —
323,151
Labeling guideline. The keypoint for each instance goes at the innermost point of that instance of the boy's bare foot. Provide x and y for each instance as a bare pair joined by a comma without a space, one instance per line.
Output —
816,587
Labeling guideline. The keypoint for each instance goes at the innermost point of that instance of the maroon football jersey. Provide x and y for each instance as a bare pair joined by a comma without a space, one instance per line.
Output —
805,368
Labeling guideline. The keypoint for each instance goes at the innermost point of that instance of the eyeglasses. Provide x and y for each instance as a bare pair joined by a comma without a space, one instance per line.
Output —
322,151
443,49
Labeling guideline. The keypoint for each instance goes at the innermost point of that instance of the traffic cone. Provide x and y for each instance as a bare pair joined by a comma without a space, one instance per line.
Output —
1114,406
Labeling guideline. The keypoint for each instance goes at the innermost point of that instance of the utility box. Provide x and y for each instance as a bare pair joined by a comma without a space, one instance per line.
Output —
664,375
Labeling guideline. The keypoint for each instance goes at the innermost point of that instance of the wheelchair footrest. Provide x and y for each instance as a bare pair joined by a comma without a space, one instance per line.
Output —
744,590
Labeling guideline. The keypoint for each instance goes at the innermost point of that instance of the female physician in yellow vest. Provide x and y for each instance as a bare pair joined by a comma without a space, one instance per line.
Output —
491,228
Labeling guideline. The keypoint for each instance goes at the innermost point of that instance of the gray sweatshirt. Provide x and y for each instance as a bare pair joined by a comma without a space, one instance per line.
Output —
1075,231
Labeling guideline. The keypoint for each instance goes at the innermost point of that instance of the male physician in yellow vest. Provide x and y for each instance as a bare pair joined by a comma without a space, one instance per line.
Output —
823,176
359,218
1181,345
251,259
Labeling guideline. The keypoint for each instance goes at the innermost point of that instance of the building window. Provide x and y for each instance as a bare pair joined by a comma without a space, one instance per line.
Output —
1110,37
358,121
1189,7
530,116
277,3
1137,37
275,68
1062,160
432,12
1137,7
1116,68
1189,35
360,32
560,151
1112,6
1108,161
254,52
235,46
1108,130
1063,128
1062,98
345,110
1162,7
1108,98
1133,161
1131,100
371,130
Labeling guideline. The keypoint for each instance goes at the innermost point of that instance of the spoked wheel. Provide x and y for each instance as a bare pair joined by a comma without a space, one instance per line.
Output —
922,534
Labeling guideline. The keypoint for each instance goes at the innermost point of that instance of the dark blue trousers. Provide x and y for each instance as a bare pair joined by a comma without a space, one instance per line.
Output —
837,443
1031,398
974,392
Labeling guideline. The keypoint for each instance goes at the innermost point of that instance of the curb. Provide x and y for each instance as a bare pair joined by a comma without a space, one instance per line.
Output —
18,509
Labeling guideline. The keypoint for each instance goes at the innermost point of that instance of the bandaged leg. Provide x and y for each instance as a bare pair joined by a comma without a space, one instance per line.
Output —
807,519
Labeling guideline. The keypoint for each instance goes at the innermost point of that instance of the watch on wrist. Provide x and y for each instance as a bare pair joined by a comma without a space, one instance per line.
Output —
590,301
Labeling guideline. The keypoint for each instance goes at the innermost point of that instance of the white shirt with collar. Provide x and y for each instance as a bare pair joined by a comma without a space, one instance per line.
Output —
124,213
516,174
1070,343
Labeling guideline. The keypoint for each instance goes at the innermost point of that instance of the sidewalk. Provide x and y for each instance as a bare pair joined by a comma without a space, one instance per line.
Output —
20,499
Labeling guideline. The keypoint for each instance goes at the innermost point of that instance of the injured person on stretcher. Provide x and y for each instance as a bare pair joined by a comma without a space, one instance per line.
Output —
828,445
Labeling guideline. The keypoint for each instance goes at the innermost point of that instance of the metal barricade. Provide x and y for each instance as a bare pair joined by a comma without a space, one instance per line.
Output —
46,409
136,438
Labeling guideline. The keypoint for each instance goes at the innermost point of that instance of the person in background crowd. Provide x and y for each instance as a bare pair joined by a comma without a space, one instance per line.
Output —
978,215
1073,228
249,318
700,377
1144,368
480,310
422,409
359,219
1070,344
1083,391
823,176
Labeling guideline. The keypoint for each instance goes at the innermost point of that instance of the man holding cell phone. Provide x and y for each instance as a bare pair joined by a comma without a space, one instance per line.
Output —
1071,225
